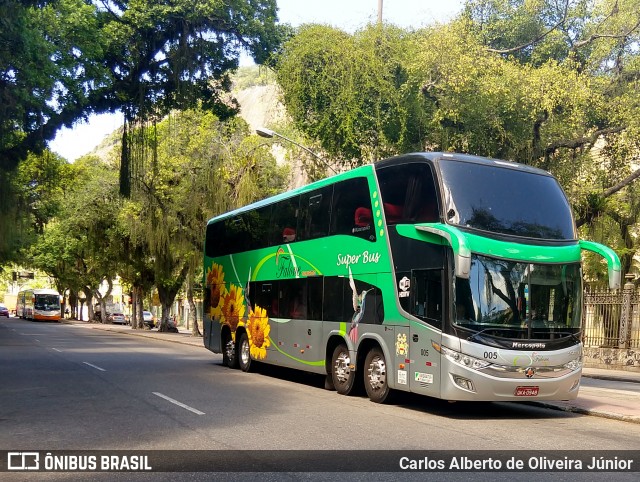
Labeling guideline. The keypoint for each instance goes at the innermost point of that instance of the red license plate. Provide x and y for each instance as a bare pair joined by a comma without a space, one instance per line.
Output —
527,391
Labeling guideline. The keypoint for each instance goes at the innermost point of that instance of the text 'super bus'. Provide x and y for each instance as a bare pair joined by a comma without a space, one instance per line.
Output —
38,305
448,275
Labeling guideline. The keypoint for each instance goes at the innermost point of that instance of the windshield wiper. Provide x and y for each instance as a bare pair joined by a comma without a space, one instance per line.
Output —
478,333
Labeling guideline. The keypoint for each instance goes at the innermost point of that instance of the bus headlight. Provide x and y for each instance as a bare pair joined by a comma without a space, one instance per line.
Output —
462,359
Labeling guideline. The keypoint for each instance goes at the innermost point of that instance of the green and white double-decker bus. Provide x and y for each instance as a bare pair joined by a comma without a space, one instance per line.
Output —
448,275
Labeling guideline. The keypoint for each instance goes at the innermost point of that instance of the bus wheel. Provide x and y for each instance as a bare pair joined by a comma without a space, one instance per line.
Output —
244,354
229,353
375,376
342,373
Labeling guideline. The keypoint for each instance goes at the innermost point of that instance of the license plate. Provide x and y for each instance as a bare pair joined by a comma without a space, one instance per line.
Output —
527,391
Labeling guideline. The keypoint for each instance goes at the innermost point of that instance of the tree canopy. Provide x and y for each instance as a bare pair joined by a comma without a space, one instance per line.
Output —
61,60
547,83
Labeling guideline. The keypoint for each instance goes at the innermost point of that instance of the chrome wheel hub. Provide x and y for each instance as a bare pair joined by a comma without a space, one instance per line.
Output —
377,373
342,367
230,349
244,352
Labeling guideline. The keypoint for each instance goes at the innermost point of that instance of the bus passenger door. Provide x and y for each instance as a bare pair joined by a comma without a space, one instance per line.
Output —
426,304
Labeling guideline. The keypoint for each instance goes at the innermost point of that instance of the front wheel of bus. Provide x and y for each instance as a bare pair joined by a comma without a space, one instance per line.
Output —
342,371
375,376
244,353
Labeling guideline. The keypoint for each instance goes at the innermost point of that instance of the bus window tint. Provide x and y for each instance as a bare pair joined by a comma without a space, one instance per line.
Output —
338,301
334,291
314,298
284,221
298,299
213,240
408,193
351,211
264,295
293,299
427,296
315,211
237,238
257,223
506,200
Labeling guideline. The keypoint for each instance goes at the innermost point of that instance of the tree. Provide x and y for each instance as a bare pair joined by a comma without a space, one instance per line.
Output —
550,84
204,167
51,72
350,92
596,42
82,247
178,56
63,60
33,195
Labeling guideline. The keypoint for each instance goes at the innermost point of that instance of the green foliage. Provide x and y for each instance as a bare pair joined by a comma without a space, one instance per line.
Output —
32,195
349,92
204,166
50,57
551,84
65,59
83,245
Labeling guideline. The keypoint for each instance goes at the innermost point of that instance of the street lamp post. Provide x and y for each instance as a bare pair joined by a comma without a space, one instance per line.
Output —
268,133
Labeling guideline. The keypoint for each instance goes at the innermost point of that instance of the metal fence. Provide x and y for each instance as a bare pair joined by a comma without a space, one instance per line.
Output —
612,318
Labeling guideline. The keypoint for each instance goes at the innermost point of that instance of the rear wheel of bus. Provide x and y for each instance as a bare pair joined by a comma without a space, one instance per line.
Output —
229,352
375,376
244,353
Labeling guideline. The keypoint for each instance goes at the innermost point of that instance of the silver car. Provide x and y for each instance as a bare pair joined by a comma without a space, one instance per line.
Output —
148,319
116,318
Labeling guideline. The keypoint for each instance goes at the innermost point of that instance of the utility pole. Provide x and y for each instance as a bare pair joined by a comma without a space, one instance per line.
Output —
268,133
380,12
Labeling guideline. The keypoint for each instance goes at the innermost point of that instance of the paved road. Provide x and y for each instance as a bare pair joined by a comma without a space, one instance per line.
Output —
74,387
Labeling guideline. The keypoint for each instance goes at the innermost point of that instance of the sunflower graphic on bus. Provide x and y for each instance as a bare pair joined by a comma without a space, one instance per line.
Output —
230,306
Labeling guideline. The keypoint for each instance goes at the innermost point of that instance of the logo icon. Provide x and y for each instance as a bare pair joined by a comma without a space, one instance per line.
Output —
402,347
404,284
529,372
23,461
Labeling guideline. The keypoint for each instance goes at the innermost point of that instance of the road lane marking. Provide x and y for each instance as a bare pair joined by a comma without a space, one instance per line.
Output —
94,366
179,404
59,351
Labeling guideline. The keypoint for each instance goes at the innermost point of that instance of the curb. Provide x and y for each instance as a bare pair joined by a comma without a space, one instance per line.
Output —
587,411
612,378
172,337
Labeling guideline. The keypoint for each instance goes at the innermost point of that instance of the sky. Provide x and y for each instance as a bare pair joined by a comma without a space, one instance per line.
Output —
349,15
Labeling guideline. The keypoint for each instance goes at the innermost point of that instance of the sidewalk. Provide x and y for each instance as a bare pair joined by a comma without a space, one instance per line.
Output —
183,336
616,396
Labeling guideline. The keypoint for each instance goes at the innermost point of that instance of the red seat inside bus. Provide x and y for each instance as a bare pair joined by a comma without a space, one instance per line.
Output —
363,217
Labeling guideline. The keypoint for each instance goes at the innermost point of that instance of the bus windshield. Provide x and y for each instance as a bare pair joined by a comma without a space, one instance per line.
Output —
499,200
47,302
519,300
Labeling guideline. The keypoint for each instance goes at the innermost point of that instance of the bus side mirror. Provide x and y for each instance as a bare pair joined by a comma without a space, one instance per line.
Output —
461,252
613,262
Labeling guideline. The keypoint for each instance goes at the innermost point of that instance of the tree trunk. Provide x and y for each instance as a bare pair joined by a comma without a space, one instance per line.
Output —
133,320
167,295
89,301
73,302
140,306
193,314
